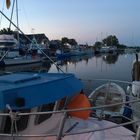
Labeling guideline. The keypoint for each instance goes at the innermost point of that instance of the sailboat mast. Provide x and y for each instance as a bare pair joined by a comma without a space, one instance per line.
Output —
17,13
12,13
17,22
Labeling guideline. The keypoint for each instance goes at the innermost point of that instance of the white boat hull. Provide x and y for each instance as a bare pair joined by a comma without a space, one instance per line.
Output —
106,94
21,61
118,133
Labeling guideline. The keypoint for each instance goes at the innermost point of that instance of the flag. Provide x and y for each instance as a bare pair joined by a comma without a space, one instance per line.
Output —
8,3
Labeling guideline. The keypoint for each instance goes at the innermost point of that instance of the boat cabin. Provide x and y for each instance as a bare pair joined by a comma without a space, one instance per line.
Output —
33,93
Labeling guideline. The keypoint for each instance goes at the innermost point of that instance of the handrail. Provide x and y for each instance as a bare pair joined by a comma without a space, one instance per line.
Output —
111,80
65,111
60,133
71,110
75,133
105,128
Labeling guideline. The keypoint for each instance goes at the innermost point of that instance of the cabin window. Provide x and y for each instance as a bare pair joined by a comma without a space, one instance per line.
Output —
62,103
44,108
21,122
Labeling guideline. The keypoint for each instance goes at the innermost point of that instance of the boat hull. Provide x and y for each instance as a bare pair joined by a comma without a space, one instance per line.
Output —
107,94
74,130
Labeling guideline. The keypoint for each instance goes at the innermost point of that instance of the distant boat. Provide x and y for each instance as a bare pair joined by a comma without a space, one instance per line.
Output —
104,49
10,51
7,40
62,54
22,61
76,52
112,49
9,56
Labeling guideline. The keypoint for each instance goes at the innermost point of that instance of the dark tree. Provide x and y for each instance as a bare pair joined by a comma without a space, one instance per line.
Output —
111,40
121,46
7,31
98,44
72,42
64,40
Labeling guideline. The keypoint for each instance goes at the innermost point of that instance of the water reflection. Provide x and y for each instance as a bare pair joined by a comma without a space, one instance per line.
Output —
45,66
73,62
87,67
74,59
109,66
110,58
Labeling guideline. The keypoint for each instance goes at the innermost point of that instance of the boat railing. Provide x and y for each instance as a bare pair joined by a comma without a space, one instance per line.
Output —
91,83
71,110
105,80
126,104
15,115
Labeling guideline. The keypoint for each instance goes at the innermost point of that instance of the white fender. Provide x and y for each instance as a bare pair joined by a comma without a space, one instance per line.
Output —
136,88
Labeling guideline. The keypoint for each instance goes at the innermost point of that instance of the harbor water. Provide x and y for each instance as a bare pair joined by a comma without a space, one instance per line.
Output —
87,68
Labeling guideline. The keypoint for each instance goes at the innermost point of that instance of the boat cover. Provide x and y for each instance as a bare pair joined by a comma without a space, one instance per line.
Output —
27,90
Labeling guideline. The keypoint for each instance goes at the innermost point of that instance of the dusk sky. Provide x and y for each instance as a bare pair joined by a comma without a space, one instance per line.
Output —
86,21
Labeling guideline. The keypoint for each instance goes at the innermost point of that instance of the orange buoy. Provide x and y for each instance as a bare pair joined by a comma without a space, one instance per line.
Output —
8,3
79,101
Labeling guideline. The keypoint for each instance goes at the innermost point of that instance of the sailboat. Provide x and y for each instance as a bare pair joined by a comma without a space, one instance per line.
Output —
10,56
51,106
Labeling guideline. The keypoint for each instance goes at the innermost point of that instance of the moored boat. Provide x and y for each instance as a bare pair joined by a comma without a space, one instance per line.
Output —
48,106
106,94
62,54
7,40
22,61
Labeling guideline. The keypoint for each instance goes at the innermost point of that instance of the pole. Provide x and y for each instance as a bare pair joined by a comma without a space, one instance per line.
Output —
12,13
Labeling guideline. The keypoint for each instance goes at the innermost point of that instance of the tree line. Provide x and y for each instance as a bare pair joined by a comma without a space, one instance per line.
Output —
110,40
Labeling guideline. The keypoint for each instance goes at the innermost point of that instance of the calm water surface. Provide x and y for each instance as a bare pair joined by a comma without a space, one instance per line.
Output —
87,68
103,66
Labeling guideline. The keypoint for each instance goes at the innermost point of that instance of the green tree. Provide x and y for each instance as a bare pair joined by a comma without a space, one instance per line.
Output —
7,31
111,40
121,46
72,42
64,40
98,44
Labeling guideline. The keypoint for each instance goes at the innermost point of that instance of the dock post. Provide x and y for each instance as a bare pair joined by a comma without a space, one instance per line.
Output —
138,134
